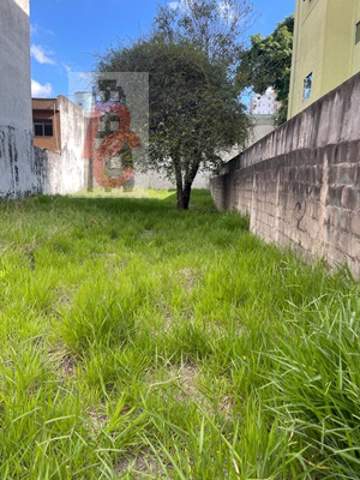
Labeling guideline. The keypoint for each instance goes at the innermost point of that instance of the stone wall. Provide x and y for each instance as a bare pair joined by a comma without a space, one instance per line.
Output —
17,163
300,185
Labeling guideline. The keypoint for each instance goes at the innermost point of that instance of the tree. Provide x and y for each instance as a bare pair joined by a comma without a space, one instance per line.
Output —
194,109
267,63
214,26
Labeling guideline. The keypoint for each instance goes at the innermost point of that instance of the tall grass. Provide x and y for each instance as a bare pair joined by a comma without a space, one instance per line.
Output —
142,342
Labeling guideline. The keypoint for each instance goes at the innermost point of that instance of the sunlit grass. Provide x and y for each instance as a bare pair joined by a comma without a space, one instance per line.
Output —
138,341
135,193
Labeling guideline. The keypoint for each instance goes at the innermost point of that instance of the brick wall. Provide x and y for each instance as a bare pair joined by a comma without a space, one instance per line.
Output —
301,184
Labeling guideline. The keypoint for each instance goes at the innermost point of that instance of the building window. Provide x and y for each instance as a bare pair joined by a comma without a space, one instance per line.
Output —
43,128
308,86
357,33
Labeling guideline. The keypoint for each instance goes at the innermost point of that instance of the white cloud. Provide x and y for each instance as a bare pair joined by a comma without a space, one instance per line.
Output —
40,55
39,90
174,5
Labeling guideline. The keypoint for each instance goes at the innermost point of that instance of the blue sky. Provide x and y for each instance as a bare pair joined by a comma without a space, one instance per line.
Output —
67,35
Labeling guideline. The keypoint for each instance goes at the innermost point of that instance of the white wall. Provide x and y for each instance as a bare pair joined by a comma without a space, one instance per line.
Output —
17,164
262,125
157,181
15,84
72,127
65,174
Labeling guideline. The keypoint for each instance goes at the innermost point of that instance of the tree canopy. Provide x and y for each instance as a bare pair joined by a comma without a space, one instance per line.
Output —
267,63
194,108
214,26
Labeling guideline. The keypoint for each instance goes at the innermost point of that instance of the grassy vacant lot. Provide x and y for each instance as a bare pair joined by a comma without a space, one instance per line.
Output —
142,342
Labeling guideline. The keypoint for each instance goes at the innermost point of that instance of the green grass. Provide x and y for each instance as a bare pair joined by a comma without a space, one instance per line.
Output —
138,341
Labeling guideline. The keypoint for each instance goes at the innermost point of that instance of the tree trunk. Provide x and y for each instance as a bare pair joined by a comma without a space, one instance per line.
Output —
179,192
179,183
185,195
90,185
183,187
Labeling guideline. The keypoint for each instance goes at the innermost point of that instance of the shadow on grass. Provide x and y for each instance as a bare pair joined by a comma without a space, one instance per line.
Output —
164,202
153,223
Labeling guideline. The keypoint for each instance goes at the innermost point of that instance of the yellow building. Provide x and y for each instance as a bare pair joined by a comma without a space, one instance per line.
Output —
326,49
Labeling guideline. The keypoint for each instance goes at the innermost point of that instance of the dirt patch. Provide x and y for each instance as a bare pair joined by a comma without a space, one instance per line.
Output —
187,379
167,315
189,277
64,297
184,379
143,466
65,363
97,418
226,406
68,366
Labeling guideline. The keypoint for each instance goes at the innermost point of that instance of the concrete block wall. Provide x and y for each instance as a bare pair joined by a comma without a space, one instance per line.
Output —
330,120
301,184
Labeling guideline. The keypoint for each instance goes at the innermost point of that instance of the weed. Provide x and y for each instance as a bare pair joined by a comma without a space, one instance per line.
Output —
143,342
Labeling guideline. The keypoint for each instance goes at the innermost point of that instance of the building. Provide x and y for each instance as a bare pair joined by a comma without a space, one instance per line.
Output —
46,124
262,110
85,100
17,162
264,104
261,125
326,49
59,128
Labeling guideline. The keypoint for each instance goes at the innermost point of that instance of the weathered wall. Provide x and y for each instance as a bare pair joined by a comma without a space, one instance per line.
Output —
64,173
157,181
331,120
70,172
19,169
262,125
17,163
15,84
301,184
